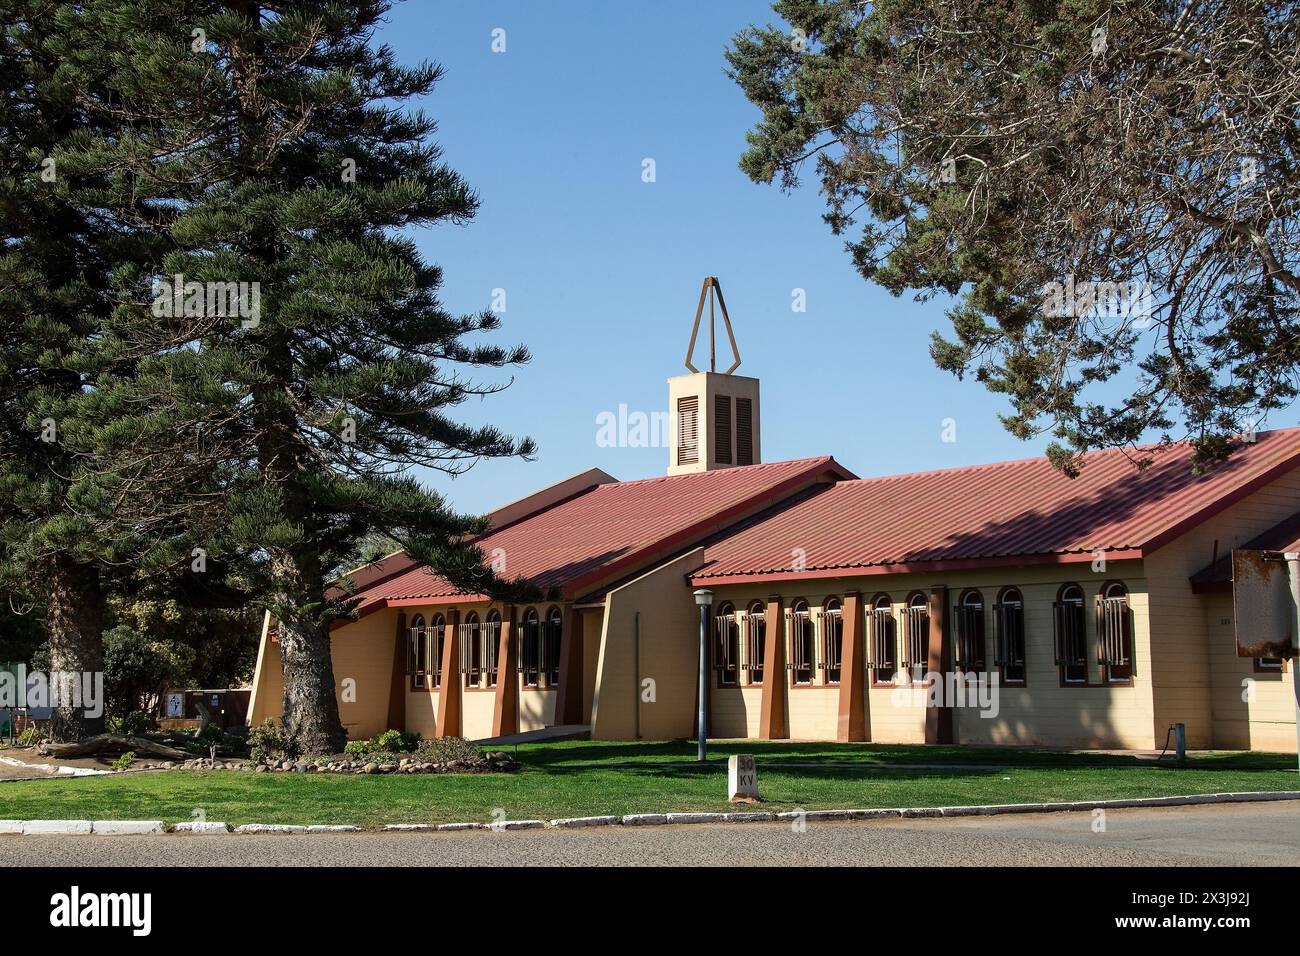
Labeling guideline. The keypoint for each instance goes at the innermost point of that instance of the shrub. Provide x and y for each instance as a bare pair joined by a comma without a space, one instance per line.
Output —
390,741
124,761
32,736
444,749
271,740
135,724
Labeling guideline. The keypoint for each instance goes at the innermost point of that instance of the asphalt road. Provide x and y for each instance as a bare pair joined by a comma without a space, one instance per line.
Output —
1242,834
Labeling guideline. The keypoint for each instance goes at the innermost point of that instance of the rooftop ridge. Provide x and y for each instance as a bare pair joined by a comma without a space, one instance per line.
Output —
1155,447
698,475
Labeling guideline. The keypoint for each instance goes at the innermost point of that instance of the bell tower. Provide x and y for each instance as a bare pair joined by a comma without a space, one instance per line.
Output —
715,414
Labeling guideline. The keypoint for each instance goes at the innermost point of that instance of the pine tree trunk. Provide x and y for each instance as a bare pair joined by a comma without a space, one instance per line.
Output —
311,709
76,627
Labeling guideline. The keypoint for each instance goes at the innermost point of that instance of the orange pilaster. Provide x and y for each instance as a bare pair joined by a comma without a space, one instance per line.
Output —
853,672
450,690
505,713
772,723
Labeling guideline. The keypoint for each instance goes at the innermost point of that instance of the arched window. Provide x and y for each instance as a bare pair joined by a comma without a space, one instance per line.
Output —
1115,634
755,642
832,639
530,648
552,635
437,639
803,642
884,640
968,632
1009,633
471,650
916,636
726,631
491,646
1071,637
417,653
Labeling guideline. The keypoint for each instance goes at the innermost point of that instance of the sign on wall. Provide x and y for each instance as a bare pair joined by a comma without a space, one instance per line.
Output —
175,705
1263,608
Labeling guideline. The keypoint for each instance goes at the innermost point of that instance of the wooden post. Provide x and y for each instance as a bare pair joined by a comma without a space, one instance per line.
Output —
772,723
938,720
449,692
568,700
505,712
397,683
853,671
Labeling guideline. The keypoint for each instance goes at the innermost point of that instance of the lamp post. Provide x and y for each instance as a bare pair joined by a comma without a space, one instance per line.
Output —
704,598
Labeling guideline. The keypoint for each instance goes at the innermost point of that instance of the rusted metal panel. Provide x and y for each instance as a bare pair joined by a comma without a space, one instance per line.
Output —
1264,611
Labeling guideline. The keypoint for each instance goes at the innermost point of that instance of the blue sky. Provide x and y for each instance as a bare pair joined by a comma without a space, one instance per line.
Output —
602,270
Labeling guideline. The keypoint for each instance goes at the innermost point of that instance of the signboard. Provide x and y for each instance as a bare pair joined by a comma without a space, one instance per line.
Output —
175,705
742,779
1264,610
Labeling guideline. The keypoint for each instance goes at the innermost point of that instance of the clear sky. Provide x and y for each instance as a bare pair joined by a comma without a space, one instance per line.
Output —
602,271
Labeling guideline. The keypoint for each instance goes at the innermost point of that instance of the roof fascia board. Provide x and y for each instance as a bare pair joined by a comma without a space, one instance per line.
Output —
915,567
1220,503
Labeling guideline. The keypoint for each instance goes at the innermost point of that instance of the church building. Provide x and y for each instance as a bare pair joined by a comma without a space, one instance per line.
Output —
997,604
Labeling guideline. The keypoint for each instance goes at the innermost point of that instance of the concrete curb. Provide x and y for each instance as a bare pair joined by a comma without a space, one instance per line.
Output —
127,827
131,827
571,823
271,828
203,827
41,827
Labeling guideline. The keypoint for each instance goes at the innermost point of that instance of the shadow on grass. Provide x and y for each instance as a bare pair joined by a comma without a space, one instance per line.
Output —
582,755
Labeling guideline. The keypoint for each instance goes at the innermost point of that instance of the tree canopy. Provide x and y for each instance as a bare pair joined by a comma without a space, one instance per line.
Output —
1109,188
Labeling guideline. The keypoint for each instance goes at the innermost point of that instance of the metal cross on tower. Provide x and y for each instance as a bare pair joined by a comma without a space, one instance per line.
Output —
712,289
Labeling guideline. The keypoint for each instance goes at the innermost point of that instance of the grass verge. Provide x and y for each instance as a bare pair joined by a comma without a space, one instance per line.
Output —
585,779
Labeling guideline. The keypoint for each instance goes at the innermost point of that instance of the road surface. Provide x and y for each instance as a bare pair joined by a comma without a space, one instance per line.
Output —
1226,835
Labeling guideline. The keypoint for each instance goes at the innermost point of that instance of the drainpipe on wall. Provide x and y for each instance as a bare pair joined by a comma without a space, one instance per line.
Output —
1293,572
636,676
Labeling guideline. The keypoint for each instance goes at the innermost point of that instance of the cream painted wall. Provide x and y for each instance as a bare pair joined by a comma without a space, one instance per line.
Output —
363,652
422,711
1187,648
1251,711
536,708
477,707
735,711
669,644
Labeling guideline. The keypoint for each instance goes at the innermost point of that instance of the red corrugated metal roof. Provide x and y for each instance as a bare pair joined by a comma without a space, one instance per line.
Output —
614,528
1011,509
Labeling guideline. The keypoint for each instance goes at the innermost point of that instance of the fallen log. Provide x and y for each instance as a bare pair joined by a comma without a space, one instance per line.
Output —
112,743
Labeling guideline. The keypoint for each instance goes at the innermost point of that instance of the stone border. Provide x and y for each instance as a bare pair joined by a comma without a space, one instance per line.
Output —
125,827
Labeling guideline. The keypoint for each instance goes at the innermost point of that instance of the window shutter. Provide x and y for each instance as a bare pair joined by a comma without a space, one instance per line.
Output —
688,430
722,429
744,431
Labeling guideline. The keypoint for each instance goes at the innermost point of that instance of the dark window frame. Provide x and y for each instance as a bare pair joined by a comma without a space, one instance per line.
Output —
970,635
884,647
726,646
1114,612
831,641
1011,646
1070,635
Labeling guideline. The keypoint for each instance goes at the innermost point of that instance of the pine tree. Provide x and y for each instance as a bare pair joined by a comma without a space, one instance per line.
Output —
53,272
274,149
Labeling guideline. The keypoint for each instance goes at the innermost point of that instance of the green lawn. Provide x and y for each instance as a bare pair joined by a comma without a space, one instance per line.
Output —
582,779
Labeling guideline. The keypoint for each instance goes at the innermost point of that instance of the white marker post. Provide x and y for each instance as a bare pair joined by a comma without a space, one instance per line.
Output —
742,779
